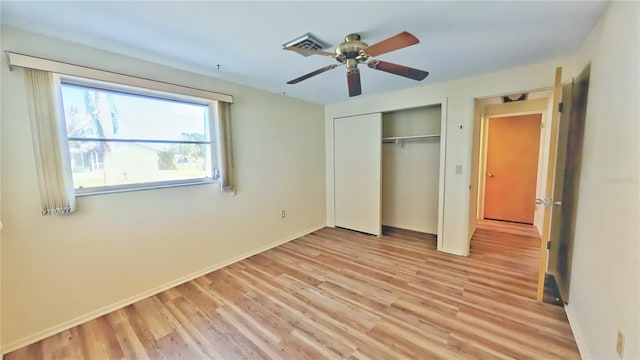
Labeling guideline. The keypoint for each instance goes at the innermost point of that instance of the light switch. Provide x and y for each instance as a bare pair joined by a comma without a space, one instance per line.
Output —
458,169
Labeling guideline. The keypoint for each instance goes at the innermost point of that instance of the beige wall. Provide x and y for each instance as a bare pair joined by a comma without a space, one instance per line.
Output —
57,271
605,280
460,95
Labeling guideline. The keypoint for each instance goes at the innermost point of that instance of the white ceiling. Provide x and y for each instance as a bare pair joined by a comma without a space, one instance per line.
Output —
458,38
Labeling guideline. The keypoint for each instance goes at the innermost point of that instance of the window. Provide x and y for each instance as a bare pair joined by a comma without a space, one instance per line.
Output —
125,138
105,138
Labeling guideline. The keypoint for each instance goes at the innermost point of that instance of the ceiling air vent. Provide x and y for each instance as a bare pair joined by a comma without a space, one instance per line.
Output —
307,41
514,97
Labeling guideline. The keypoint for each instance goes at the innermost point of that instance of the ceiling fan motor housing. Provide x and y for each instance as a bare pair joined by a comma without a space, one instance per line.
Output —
352,49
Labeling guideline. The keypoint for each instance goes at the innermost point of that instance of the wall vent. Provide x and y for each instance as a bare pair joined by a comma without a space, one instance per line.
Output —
307,41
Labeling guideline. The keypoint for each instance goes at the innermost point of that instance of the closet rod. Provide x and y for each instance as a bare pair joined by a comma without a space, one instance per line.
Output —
397,139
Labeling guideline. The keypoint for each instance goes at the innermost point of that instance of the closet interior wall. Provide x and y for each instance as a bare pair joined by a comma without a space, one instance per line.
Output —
411,168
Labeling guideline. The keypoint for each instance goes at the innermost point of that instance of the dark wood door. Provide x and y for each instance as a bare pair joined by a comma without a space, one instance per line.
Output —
567,183
558,183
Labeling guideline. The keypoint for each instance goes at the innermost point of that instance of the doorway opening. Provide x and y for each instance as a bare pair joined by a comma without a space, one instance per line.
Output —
558,177
510,151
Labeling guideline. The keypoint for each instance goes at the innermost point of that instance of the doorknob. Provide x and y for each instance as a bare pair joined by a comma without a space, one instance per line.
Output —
557,203
544,202
489,174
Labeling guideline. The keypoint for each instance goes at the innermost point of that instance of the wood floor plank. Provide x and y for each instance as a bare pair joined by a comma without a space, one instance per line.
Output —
129,341
338,294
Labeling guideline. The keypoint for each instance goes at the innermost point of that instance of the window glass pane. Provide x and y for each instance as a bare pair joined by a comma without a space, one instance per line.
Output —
146,140
104,163
99,113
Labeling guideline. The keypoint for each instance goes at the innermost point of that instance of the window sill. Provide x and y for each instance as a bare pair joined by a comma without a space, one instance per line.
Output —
104,190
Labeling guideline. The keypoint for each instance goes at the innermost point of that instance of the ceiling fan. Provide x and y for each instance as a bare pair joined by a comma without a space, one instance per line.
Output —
353,51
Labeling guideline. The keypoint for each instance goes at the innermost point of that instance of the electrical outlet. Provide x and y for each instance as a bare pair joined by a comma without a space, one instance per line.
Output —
620,344
284,214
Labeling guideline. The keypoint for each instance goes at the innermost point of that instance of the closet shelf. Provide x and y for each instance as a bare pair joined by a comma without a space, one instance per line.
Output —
398,139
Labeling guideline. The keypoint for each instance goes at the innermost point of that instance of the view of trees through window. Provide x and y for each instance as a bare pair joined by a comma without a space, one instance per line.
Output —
118,138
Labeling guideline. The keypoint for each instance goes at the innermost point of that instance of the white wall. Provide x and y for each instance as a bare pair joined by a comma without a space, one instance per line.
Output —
460,95
605,281
57,271
410,171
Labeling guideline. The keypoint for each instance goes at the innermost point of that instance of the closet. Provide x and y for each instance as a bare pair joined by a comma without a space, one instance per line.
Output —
411,169
388,170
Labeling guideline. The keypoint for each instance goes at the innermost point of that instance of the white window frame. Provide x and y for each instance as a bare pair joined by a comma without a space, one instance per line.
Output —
135,90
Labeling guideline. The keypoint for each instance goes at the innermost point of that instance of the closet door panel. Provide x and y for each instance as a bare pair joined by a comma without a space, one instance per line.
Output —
357,162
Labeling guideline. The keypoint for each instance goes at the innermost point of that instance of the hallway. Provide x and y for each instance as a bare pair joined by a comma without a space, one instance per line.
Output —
513,249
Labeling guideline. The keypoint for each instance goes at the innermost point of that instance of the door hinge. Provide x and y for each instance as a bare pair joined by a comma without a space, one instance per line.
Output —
560,105
548,245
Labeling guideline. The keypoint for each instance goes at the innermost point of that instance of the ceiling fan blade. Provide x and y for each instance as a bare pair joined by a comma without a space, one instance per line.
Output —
396,69
396,42
353,81
305,51
312,74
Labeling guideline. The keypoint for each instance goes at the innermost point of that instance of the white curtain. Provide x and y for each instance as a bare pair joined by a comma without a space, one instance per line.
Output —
224,141
49,143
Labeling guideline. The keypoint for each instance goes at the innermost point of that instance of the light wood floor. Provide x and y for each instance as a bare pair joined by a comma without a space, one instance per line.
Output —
509,227
340,294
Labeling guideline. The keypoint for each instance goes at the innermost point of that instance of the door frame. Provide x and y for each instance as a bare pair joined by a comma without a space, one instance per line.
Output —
484,142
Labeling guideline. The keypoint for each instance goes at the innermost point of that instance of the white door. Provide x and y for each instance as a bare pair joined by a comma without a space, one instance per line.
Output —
358,172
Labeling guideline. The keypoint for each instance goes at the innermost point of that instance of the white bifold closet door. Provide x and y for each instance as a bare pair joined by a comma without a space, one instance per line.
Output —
358,172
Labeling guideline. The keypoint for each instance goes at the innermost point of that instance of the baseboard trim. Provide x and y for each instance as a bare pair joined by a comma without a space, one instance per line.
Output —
7,348
577,332
454,251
